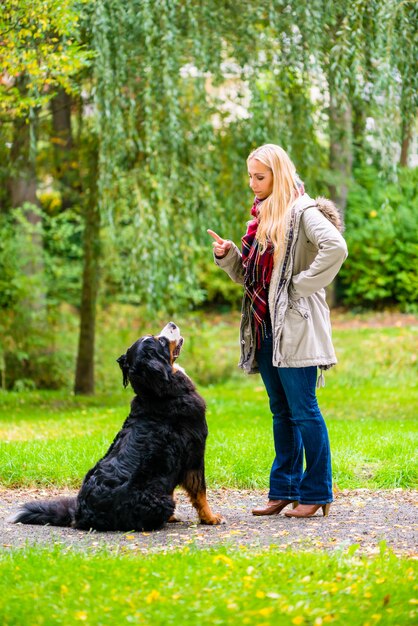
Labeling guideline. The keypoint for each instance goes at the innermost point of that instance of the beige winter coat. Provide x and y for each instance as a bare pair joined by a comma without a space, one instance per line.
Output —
298,309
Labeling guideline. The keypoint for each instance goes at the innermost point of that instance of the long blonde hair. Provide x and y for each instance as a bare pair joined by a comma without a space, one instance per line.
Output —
274,210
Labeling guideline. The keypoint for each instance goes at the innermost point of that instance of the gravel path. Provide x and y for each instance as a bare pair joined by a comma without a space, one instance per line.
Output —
362,517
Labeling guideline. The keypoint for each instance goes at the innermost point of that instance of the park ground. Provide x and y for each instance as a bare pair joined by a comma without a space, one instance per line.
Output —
357,566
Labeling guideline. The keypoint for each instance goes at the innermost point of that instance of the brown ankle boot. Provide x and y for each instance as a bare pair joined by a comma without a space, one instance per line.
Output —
308,510
273,507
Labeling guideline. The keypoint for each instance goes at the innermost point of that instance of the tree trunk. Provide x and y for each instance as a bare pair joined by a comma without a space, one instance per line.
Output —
22,182
62,139
406,138
84,375
359,128
23,187
341,151
340,159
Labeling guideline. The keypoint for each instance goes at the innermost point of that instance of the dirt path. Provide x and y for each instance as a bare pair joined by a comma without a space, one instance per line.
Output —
383,319
360,517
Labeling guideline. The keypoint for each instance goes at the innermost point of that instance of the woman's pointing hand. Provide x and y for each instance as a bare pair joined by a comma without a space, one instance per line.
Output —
220,246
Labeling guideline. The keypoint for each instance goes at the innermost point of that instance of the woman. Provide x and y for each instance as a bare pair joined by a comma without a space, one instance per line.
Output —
292,250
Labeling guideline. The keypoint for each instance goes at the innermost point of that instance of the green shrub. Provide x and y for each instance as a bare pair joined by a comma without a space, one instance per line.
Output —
40,267
381,234
219,289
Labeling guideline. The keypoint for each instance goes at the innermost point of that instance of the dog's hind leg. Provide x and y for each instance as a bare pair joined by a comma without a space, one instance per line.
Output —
150,510
194,484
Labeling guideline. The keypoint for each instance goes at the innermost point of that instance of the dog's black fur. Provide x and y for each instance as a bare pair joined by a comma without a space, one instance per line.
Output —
161,445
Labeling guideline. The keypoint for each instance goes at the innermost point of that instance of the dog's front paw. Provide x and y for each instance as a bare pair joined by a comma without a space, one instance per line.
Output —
213,520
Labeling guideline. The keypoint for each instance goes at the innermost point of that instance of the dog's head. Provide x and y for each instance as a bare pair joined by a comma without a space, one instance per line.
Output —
149,362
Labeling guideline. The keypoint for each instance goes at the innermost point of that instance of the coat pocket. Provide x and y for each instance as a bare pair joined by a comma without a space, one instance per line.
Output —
299,307
296,328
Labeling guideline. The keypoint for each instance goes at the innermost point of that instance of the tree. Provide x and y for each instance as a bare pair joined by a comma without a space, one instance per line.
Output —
40,56
405,38
155,107
84,374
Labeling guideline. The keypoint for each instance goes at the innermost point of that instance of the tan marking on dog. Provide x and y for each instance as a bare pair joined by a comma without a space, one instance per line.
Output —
196,491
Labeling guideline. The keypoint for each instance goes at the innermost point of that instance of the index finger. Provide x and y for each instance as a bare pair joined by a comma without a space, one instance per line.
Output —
215,236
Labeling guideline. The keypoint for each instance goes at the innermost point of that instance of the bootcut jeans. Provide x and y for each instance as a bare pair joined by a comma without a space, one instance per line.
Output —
298,427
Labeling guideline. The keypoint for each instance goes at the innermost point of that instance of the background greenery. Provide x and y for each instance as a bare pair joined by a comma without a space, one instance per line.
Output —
125,129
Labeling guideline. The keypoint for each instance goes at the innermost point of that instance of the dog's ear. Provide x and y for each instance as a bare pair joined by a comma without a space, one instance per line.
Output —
123,364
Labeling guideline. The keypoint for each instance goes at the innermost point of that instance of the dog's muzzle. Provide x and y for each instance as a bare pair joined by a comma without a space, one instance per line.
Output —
172,333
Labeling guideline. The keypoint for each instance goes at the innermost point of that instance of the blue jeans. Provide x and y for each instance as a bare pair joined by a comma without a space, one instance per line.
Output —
298,427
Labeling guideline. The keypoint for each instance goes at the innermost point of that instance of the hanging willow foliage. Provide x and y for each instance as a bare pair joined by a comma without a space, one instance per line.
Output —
171,159
155,137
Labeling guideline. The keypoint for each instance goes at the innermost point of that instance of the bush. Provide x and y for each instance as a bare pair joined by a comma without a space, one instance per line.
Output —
381,234
40,267
219,289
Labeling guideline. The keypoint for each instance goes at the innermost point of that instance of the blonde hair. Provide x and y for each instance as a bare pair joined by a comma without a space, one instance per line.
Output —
274,210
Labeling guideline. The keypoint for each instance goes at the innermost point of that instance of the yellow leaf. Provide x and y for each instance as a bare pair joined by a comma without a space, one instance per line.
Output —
152,597
266,611
81,616
224,559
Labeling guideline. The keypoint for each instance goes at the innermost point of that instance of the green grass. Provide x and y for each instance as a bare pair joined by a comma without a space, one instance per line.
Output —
370,404
47,445
52,438
53,587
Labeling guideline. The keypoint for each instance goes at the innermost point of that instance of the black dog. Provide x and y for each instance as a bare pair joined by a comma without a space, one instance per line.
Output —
161,445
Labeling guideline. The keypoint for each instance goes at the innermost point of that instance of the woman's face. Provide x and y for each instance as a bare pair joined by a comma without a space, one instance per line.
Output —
261,179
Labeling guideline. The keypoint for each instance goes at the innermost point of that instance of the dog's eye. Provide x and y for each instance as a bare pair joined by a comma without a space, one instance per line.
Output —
163,340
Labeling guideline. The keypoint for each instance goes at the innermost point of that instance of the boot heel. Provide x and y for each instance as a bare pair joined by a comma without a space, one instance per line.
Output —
326,508
294,504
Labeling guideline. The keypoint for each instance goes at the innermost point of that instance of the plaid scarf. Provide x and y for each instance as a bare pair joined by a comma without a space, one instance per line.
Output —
258,269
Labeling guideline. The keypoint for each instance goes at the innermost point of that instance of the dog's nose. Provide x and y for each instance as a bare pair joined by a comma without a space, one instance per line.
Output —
172,325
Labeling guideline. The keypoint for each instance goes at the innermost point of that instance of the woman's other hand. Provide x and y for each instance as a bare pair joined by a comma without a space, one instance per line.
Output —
220,246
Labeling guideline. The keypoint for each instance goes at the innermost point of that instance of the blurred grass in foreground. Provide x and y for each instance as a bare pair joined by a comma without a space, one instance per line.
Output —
190,586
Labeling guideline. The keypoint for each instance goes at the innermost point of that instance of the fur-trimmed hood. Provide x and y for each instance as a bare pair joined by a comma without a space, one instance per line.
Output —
331,212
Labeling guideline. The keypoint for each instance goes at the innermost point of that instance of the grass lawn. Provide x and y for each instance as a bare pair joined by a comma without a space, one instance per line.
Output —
206,587
52,438
370,403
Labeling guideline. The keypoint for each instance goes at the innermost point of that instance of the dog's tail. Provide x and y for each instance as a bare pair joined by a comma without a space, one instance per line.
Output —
59,512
